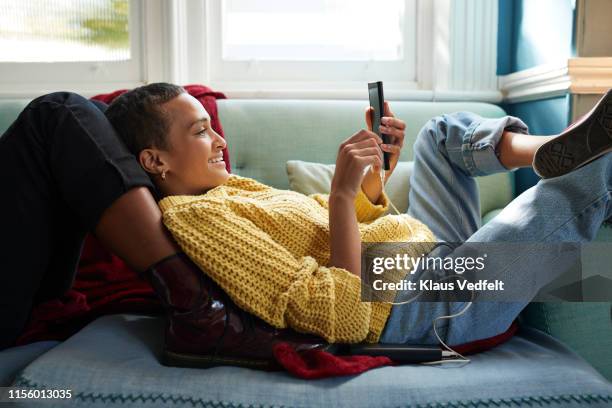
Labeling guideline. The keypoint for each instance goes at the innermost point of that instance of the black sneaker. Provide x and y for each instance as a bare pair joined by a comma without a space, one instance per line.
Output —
582,142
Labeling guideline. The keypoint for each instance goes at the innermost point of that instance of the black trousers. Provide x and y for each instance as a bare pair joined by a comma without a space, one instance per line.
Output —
61,166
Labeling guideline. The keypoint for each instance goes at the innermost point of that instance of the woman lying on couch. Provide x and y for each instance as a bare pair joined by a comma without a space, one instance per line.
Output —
278,260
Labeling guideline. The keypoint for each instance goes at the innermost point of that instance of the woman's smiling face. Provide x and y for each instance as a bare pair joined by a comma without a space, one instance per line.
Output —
193,161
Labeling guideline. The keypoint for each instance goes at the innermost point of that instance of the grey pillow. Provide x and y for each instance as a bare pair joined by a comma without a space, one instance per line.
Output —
309,178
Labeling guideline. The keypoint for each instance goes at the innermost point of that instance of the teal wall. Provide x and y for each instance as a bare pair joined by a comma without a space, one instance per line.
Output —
532,33
544,117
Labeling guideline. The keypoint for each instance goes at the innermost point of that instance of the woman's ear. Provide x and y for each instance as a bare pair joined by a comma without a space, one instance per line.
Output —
151,161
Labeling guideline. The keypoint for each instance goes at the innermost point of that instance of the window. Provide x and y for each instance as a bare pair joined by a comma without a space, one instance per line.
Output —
422,49
73,42
314,45
333,30
71,30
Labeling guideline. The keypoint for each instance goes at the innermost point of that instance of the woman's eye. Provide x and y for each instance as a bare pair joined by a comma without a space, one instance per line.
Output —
202,132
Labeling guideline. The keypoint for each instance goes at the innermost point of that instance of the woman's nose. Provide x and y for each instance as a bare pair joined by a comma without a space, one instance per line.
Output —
220,142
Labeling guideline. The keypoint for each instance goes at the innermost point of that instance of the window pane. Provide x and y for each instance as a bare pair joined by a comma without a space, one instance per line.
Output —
66,30
315,30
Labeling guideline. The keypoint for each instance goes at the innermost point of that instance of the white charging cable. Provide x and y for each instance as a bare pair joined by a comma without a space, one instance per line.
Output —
449,352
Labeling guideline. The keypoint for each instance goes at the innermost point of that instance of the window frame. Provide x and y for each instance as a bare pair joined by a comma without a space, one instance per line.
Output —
455,57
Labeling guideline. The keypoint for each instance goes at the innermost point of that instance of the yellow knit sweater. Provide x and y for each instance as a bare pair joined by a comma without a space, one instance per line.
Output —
268,249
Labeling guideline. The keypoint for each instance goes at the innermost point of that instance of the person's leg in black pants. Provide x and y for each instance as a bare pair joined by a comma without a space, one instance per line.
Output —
64,172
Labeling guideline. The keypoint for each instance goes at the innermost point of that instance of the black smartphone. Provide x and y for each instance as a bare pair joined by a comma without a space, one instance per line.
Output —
377,101
401,353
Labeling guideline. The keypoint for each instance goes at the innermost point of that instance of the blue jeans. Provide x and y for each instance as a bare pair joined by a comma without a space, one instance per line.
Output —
448,153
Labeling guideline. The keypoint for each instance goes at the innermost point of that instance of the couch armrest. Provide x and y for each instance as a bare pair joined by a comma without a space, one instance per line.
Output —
584,327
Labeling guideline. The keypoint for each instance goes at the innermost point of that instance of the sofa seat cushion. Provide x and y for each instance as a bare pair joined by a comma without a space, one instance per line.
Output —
14,359
114,362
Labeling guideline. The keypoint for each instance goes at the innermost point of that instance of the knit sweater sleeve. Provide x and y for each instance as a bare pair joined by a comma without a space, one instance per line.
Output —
365,210
265,279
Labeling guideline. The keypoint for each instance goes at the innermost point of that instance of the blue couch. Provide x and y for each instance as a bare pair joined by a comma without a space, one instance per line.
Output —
114,360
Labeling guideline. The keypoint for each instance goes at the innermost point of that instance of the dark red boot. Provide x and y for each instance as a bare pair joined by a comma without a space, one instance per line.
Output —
205,328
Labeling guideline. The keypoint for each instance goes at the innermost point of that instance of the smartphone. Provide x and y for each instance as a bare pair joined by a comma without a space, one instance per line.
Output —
377,102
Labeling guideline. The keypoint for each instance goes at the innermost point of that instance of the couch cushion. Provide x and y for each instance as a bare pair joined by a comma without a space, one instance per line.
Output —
14,359
310,178
113,362
264,134
9,110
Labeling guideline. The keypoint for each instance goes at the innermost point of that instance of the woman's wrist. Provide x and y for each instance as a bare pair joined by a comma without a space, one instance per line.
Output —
372,186
345,240
341,196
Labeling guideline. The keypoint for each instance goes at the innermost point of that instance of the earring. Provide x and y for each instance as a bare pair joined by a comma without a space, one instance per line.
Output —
163,175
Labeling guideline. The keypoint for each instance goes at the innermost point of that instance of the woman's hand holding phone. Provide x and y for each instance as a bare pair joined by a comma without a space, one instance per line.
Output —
395,129
354,155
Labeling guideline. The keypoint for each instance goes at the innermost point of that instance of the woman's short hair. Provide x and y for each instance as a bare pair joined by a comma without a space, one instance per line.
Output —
138,116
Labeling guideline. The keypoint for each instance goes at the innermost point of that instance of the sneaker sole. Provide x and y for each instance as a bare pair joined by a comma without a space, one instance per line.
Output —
579,145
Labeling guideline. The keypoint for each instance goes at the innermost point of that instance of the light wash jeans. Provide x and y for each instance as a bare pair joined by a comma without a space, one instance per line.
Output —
448,153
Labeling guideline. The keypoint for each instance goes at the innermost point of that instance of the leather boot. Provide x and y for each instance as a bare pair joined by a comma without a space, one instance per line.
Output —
204,326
